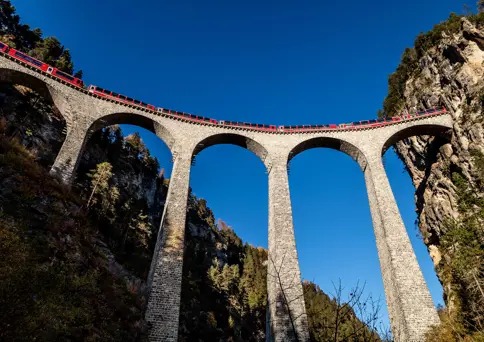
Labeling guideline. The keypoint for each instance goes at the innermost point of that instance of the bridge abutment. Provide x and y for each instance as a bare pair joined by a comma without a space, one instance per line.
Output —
287,320
165,277
410,305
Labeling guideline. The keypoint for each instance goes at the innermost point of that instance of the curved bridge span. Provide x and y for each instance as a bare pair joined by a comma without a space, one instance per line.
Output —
409,303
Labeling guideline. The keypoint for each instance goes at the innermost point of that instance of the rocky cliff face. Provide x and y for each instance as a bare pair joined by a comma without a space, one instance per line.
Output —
450,73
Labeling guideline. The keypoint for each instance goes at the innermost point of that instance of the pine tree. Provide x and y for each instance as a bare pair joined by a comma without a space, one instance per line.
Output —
140,229
64,62
102,194
49,50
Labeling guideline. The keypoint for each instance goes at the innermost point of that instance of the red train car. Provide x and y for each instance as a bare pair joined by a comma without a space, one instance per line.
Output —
29,60
118,97
66,77
46,67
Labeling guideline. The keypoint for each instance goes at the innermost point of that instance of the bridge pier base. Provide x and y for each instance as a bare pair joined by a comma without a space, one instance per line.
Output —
410,305
287,320
165,277
67,160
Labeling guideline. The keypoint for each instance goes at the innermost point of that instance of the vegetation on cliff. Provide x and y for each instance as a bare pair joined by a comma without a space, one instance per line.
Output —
462,265
409,66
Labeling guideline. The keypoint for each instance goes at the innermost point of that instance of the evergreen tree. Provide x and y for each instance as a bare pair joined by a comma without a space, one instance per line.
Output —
140,230
103,195
49,50
64,62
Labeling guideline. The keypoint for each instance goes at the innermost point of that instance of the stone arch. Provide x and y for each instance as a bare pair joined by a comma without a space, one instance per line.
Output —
234,139
333,143
56,118
52,95
419,129
136,119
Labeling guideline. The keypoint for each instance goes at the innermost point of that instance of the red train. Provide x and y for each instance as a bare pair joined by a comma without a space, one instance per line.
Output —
118,97
203,120
41,65
263,127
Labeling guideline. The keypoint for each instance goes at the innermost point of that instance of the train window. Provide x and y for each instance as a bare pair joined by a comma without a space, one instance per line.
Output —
64,75
114,94
371,121
421,112
380,120
99,89
137,102
129,99
28,58
355,123
206,119
2,45
432,110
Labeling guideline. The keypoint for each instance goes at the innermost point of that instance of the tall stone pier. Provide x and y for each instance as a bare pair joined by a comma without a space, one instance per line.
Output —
410,305
165,277
287,320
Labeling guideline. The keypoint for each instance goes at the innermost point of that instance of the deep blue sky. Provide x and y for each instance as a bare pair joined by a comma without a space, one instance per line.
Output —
281,62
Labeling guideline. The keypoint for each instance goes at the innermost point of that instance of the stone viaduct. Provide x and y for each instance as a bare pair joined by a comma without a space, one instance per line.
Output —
408,299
